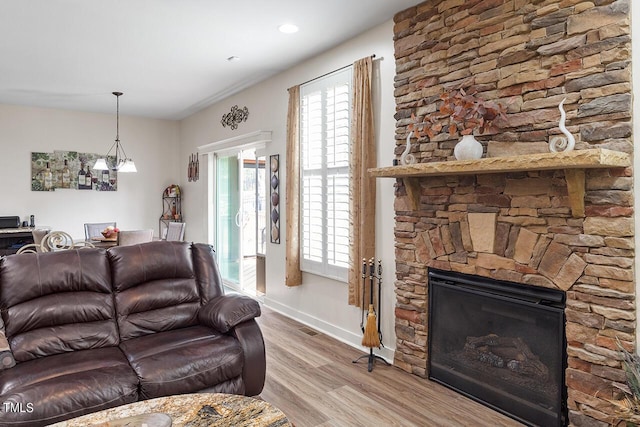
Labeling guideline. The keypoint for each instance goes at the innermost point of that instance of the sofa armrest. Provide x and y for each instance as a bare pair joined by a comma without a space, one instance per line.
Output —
227,311
254,369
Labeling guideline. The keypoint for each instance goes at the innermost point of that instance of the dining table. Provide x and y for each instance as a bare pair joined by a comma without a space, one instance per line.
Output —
104,242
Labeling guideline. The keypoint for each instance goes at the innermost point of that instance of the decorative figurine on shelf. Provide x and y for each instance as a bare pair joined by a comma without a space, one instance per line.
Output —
172,191
407,158
560,143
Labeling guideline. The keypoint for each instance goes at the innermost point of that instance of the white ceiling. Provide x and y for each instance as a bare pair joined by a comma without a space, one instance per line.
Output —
169,57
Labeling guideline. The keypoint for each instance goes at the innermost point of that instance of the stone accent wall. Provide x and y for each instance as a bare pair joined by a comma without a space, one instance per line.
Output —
518,226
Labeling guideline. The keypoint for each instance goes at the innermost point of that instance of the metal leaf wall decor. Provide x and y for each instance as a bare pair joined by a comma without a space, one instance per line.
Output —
234,117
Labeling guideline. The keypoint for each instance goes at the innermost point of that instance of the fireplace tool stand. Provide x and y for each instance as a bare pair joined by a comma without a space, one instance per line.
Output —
371,360
372,334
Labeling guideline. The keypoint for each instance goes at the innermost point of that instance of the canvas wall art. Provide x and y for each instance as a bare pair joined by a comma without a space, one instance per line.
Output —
70,170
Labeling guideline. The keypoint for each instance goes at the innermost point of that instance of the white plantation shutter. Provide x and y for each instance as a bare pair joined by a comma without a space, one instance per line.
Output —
324,168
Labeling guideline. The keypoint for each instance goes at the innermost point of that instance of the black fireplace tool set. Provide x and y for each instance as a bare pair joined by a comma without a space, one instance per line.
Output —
372,335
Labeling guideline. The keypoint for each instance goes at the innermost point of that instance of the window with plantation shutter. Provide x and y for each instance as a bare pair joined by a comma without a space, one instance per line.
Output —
325,106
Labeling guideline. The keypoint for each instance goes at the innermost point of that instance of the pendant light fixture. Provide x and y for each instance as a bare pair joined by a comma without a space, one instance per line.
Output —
122,163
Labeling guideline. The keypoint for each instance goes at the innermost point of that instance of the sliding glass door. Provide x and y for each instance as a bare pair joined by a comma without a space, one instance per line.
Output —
227,228
240,216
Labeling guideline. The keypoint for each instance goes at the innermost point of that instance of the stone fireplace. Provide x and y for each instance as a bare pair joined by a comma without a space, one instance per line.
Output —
560,227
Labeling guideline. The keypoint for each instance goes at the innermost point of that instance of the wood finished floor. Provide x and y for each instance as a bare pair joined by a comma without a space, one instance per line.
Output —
312,379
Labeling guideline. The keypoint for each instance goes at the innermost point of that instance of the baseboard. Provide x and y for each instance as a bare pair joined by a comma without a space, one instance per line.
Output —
333,331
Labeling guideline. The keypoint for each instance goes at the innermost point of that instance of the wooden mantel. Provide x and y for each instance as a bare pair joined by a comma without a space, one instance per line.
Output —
573,163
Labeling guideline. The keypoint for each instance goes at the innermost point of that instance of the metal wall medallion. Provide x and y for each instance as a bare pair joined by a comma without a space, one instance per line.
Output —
234,117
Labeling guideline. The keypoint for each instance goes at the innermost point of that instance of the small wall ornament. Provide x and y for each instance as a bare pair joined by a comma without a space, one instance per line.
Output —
234,117
193,168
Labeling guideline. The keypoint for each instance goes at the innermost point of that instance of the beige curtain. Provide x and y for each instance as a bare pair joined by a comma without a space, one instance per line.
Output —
362,191
293,275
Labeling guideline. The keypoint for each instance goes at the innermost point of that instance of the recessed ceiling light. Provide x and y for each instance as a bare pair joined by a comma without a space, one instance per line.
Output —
233,58
288,28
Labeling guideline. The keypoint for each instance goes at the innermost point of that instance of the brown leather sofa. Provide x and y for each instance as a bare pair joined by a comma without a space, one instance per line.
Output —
92,329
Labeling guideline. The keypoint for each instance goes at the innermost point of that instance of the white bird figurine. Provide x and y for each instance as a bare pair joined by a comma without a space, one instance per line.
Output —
560,143
407,158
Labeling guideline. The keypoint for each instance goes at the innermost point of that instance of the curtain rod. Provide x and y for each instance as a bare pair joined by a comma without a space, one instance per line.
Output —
331,72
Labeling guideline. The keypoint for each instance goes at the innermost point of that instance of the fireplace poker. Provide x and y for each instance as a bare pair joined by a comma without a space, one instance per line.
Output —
379,300
364,287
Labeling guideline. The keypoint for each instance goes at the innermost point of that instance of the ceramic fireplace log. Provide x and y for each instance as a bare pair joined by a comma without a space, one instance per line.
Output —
506,352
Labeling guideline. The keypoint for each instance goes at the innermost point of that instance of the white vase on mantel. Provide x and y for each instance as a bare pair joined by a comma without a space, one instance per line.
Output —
468,148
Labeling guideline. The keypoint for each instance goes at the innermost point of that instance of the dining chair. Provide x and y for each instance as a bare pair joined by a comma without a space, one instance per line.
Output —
38,235
46,241
94,229
56,241
175,231
133,237
30,248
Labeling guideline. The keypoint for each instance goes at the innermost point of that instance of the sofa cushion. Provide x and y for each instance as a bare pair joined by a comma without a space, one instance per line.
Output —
66,385
57,302
155,288
183,360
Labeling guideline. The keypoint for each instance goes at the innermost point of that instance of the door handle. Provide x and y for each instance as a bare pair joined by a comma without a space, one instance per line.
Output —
238,218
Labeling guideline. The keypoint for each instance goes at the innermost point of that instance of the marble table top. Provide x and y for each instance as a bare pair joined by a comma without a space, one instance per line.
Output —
193,410
21,229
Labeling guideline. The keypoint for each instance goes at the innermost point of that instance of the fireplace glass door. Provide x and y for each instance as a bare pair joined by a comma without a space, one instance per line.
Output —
499,343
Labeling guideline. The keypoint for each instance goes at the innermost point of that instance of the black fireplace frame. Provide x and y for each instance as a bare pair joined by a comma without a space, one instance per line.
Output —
551,299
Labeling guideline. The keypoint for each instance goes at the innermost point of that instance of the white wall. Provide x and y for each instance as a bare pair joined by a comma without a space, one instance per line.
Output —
319,302
153,145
